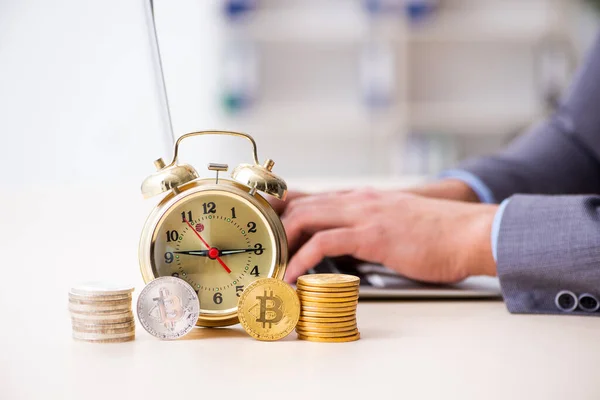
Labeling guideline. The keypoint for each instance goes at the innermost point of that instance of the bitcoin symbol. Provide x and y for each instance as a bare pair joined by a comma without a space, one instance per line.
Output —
168,309
270,309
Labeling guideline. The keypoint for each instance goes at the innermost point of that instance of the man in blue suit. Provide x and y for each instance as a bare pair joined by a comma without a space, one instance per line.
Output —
529,214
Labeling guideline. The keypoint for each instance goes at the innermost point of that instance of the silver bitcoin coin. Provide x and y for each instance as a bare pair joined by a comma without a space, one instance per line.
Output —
168,308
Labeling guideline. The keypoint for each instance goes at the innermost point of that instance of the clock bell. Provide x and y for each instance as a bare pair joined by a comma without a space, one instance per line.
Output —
257,176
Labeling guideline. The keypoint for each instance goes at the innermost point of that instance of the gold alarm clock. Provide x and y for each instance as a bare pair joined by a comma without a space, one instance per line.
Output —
219,235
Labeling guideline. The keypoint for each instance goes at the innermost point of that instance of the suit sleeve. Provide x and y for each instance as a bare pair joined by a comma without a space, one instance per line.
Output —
548,244
559,156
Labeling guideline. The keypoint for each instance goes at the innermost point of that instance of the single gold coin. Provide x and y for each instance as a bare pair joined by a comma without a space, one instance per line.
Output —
330,340
326,320
327,290
328,305
326,295
269,309
321,314
339,333
327,299
315,299
329,280
325,325
347,332
328,309
301,329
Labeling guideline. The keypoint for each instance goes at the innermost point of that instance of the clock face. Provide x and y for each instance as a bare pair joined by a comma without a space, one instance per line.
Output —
216,241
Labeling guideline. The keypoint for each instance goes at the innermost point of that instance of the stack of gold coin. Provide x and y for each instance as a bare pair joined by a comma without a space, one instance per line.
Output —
101,313
328,307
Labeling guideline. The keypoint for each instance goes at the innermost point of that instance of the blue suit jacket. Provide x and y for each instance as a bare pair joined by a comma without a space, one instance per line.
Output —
549,238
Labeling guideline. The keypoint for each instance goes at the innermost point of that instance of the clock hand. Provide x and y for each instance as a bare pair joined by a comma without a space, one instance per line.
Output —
206,253
235,251
203,253
211,250
223,265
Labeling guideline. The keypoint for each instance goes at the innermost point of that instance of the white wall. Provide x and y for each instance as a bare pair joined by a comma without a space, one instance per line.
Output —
78,98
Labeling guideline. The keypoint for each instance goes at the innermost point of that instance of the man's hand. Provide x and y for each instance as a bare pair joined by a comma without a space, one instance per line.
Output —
279,206
422,238
449,189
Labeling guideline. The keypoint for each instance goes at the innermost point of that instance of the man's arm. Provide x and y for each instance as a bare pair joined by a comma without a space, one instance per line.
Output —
546,245
559,156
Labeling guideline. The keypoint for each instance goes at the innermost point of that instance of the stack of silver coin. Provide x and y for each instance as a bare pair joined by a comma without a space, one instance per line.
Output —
101,313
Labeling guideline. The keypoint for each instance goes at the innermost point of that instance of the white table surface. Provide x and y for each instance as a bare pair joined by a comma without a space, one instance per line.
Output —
409,349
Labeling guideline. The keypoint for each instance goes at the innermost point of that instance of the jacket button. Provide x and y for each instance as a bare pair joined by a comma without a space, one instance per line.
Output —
588,302
566,301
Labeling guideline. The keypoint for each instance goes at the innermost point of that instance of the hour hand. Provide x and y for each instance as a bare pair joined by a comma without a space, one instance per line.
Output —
202,253
235,251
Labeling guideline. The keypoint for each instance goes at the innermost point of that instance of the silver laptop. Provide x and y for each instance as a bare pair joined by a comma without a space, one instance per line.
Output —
379,282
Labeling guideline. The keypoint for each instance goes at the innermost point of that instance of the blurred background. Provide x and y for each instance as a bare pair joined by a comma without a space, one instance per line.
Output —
330,89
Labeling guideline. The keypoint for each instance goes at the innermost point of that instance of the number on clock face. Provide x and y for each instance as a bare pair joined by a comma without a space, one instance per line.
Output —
216,242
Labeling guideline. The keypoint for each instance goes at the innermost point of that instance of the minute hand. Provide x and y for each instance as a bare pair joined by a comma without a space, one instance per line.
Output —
203,253
235,251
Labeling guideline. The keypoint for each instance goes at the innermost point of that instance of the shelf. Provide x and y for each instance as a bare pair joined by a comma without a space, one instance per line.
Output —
355,121
348,25
470,118
333,25
340,120
506,27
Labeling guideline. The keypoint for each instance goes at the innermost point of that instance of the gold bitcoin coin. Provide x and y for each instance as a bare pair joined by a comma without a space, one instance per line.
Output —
325,325
339,333
269,309
326,295
307,313
328,309
326,320
348,291
347,332
314,299
318,329
330,340
329,280
328,305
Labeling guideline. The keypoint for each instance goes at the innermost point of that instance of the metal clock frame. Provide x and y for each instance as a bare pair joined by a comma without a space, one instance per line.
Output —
234,189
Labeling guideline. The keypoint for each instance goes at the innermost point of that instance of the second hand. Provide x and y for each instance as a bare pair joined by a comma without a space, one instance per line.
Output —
207,246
